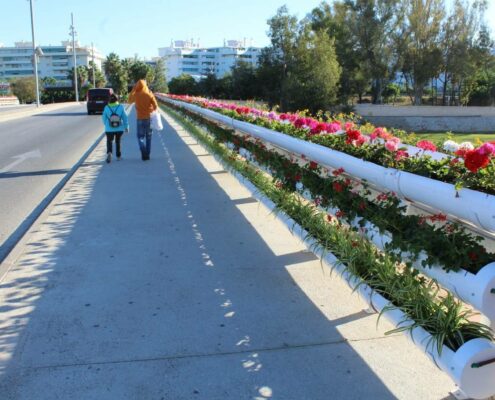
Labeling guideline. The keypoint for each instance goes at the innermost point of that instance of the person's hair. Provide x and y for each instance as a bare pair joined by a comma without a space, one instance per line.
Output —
114,98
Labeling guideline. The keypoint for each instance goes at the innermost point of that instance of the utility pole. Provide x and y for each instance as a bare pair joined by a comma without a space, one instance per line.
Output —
93,56
73,33
35,57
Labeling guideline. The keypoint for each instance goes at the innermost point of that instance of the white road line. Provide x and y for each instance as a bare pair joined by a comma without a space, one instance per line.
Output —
21,158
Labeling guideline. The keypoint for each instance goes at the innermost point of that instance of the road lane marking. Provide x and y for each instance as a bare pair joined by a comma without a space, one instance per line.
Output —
21,158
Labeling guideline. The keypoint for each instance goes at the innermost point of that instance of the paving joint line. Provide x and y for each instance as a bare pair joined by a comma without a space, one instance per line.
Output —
205,355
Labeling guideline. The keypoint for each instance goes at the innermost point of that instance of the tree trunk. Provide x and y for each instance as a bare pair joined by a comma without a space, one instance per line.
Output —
418,93
444,91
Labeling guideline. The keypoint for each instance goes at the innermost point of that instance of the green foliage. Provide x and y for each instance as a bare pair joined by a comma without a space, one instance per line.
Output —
139,70
313,82
99,78
183,84
116,73
243,81
24,89
82,76
442,316
159,82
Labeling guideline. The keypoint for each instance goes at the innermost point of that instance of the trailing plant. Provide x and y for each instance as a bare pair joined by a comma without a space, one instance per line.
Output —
445,243
474,169
441,315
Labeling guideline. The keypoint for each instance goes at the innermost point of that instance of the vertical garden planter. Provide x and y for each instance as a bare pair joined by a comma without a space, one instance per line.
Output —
468,205
471,366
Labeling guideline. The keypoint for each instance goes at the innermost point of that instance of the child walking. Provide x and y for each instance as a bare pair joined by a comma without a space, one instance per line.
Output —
116,123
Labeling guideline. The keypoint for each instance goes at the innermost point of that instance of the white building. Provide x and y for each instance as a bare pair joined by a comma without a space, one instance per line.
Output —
184,56
56,61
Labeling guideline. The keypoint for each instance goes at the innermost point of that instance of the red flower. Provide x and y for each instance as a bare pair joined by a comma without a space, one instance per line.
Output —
426,145
401,154
329,218
339,214
382,197
352,135
473,256
320,127
337,172
313,165
474,160
297,177
362,205
438,217
337,186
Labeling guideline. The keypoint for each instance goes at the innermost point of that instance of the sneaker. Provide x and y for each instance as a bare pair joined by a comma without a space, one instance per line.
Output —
109,157
119,158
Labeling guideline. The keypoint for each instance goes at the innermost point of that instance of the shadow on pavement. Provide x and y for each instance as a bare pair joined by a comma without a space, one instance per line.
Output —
146,281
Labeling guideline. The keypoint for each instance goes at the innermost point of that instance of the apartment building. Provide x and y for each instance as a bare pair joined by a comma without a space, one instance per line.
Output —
185,56
55,61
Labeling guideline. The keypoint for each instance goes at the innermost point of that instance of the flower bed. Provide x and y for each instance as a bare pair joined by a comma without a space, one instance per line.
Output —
464,165
439,324
425,238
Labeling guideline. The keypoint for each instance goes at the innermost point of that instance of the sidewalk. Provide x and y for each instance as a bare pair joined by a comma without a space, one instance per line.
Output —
165,280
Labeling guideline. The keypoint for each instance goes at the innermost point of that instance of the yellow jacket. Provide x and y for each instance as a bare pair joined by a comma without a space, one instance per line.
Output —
144,100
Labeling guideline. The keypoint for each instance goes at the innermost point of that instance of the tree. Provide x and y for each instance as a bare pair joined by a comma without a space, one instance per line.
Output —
140,70
159,83
243,81
100,80
462,57
24,89
336,22
116,73
279,58
183,84
313,82
209,85
420,44
82,75
374,26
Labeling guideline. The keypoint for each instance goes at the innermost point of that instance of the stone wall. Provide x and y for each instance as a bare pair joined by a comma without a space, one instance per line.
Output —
430,118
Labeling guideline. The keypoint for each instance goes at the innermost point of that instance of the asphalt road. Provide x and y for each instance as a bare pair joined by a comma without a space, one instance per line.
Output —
36,153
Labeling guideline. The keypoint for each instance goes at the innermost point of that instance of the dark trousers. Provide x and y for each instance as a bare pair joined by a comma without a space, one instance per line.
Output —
117,136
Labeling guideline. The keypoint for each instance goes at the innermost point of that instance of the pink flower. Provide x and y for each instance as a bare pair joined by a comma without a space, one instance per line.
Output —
426,145
401,154
333,127
392,145
381,133
348,125
487,149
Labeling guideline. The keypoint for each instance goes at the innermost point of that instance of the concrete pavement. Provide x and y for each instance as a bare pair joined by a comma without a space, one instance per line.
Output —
8,113
37,153
165,280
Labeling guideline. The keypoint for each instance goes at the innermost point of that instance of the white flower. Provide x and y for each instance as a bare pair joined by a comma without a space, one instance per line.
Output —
299,186
450,145
466,146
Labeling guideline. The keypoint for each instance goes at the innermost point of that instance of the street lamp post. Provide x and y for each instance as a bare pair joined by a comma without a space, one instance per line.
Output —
93,56
73,33
35,56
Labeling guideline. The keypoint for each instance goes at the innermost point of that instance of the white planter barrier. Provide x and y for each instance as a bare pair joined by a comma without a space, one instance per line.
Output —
471,367
469,205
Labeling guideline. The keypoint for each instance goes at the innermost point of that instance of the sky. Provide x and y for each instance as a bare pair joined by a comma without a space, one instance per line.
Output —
138,28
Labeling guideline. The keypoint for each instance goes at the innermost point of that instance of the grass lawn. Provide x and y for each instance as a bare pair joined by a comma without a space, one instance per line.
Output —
440,137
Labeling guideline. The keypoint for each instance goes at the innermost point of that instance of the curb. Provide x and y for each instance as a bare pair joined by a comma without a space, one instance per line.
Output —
13,246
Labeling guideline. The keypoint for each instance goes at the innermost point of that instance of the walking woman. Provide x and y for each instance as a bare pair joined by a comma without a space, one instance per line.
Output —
145,104
116,123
